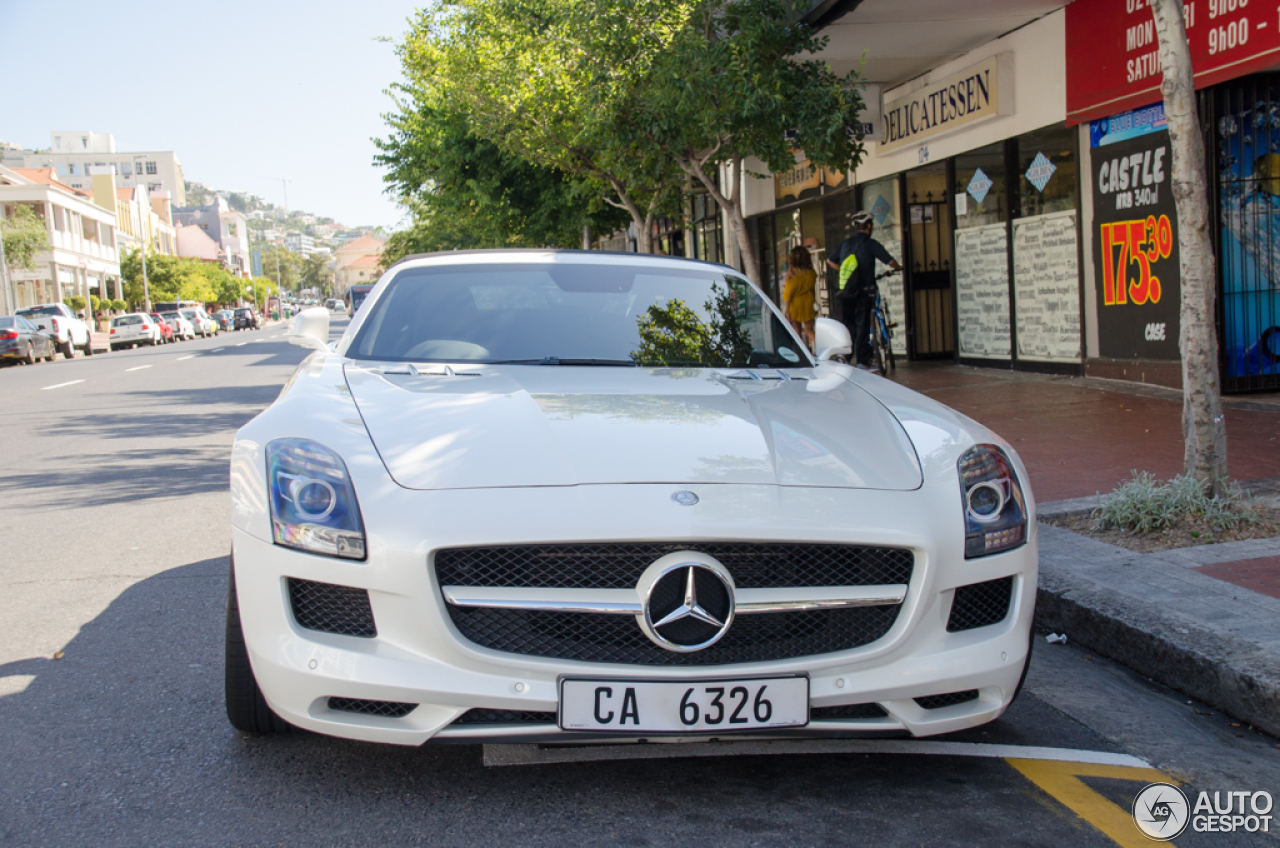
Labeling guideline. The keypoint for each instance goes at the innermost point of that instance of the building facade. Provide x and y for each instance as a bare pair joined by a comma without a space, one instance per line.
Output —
74,153
358,262
228,228
83,257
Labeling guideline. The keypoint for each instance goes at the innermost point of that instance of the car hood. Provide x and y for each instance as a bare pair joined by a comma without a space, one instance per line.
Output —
437,427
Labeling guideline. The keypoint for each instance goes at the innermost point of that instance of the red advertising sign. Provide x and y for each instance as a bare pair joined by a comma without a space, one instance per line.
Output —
1113,61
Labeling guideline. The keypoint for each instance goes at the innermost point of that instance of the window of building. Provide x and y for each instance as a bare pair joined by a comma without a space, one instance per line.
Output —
1047,171
71,169
151,167
108,235
980,188
126,169
59,219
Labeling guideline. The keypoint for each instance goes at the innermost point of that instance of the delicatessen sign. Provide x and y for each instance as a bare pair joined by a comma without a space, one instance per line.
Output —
1135,249
972,95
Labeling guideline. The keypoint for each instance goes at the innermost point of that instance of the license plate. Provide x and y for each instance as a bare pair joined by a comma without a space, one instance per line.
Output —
687,706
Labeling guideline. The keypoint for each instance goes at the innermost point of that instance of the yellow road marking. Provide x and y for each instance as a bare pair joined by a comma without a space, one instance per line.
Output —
1061,780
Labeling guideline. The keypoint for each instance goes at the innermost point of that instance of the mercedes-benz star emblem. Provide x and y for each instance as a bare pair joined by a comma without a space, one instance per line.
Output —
685,498
688,604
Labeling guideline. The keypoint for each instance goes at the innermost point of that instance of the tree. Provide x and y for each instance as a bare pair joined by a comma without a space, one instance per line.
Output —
315,274
24,236
1204,430
531,84
290,266
464,191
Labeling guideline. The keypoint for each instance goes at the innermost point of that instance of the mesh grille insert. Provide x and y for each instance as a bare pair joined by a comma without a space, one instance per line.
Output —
937,702
586,637
481,716
618,565
331,609
980,604
847,711
390,709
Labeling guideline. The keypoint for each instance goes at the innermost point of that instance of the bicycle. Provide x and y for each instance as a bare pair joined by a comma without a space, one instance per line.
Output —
882,333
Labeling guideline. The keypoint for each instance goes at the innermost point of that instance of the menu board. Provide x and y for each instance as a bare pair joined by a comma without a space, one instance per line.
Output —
982,292
894,301
1047,285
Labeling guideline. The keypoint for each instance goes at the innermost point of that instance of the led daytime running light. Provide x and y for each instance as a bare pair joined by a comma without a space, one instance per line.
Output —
313,504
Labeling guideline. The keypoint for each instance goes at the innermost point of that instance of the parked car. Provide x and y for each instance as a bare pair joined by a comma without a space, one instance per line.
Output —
166,329
23,341
182,328
200,320
226,320
133,329
60,322
247,319
566,498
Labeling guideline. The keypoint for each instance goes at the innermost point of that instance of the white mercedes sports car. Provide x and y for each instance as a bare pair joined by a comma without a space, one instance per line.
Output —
568,497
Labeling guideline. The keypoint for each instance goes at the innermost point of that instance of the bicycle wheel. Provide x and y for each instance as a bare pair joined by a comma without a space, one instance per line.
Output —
878,351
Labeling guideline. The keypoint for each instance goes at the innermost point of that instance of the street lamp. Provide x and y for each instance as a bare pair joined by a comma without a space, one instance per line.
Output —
142,240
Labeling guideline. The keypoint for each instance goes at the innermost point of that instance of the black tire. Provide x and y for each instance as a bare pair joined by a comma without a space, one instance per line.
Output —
88,345
30,358
247,710
67,350
1031,644
877,353
888,352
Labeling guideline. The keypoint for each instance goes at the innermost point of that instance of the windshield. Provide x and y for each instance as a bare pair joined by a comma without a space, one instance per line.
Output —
40,310
572,313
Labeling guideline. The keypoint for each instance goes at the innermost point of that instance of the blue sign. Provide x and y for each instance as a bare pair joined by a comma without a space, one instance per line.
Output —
880,210
1127,125
980,185
257,263
1040,171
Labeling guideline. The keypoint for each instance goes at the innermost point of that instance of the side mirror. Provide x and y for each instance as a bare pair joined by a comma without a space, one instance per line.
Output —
832,339
310,328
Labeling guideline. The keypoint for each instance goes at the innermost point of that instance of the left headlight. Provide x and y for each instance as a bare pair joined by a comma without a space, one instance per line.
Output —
995,514
313,504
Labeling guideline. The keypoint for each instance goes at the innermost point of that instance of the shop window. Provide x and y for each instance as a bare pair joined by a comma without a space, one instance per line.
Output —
980,188
1047,171
981,255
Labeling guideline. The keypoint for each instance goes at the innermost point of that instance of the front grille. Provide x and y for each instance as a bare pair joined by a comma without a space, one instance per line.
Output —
390,709
618,565
980,604
331,609
847,711
481,716
587,637
937,702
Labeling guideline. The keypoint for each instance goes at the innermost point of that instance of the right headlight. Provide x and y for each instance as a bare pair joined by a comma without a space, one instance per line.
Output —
313,504
995,514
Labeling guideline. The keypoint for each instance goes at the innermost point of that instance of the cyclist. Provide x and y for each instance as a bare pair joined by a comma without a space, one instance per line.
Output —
855,260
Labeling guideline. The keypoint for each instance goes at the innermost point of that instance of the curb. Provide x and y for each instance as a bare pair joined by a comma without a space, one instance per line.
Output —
1232,673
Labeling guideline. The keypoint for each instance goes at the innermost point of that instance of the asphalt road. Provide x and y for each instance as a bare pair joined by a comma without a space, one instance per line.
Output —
114,516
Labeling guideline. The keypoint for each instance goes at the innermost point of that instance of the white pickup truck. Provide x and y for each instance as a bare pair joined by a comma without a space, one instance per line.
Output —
58,320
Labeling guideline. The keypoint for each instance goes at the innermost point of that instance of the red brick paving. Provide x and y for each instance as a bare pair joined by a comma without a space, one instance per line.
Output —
1077,440
1261,574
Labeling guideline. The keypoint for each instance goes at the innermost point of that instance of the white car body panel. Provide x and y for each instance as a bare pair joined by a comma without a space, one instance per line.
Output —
532,454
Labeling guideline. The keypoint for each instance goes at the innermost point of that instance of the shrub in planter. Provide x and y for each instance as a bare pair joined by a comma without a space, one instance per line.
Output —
119,305
75,302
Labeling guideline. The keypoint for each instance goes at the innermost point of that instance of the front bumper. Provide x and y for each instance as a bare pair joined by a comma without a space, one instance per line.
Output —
419,658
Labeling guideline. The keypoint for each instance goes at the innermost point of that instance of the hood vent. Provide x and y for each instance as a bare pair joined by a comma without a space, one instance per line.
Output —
412,370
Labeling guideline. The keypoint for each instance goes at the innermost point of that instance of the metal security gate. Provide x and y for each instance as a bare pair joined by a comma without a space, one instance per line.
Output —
1244,151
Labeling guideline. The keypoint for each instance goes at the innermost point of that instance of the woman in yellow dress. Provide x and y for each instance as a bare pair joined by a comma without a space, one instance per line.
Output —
799,293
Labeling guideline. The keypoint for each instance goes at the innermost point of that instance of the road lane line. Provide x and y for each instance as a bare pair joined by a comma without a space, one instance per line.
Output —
137,368
1061,781
241,344
517,754
216,349
60,385
188,356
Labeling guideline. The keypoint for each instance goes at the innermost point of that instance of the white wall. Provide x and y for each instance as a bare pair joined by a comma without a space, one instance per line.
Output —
1039,97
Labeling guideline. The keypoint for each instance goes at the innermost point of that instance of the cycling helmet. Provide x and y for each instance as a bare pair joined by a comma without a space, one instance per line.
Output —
859,220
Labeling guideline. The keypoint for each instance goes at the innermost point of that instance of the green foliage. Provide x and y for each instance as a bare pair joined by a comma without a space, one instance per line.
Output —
675,335
1145,504
75,302
24,236
119,305
178,278
95,303
281,260
315,274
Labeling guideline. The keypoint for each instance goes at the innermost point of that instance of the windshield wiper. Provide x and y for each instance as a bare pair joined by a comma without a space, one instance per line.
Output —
553,360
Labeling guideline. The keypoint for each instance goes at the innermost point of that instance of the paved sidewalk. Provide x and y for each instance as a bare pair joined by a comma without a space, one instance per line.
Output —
1203,620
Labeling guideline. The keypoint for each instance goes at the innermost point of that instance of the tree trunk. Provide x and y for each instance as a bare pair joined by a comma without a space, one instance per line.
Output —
1204,430
732,207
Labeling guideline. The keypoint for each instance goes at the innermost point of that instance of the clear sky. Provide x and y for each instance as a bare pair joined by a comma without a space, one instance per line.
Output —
239,90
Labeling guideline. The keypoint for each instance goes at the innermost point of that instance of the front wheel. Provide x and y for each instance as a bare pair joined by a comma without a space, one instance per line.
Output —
247,709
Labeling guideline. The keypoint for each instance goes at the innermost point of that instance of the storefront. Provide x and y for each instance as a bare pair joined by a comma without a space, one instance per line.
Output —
974,187
1133,278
